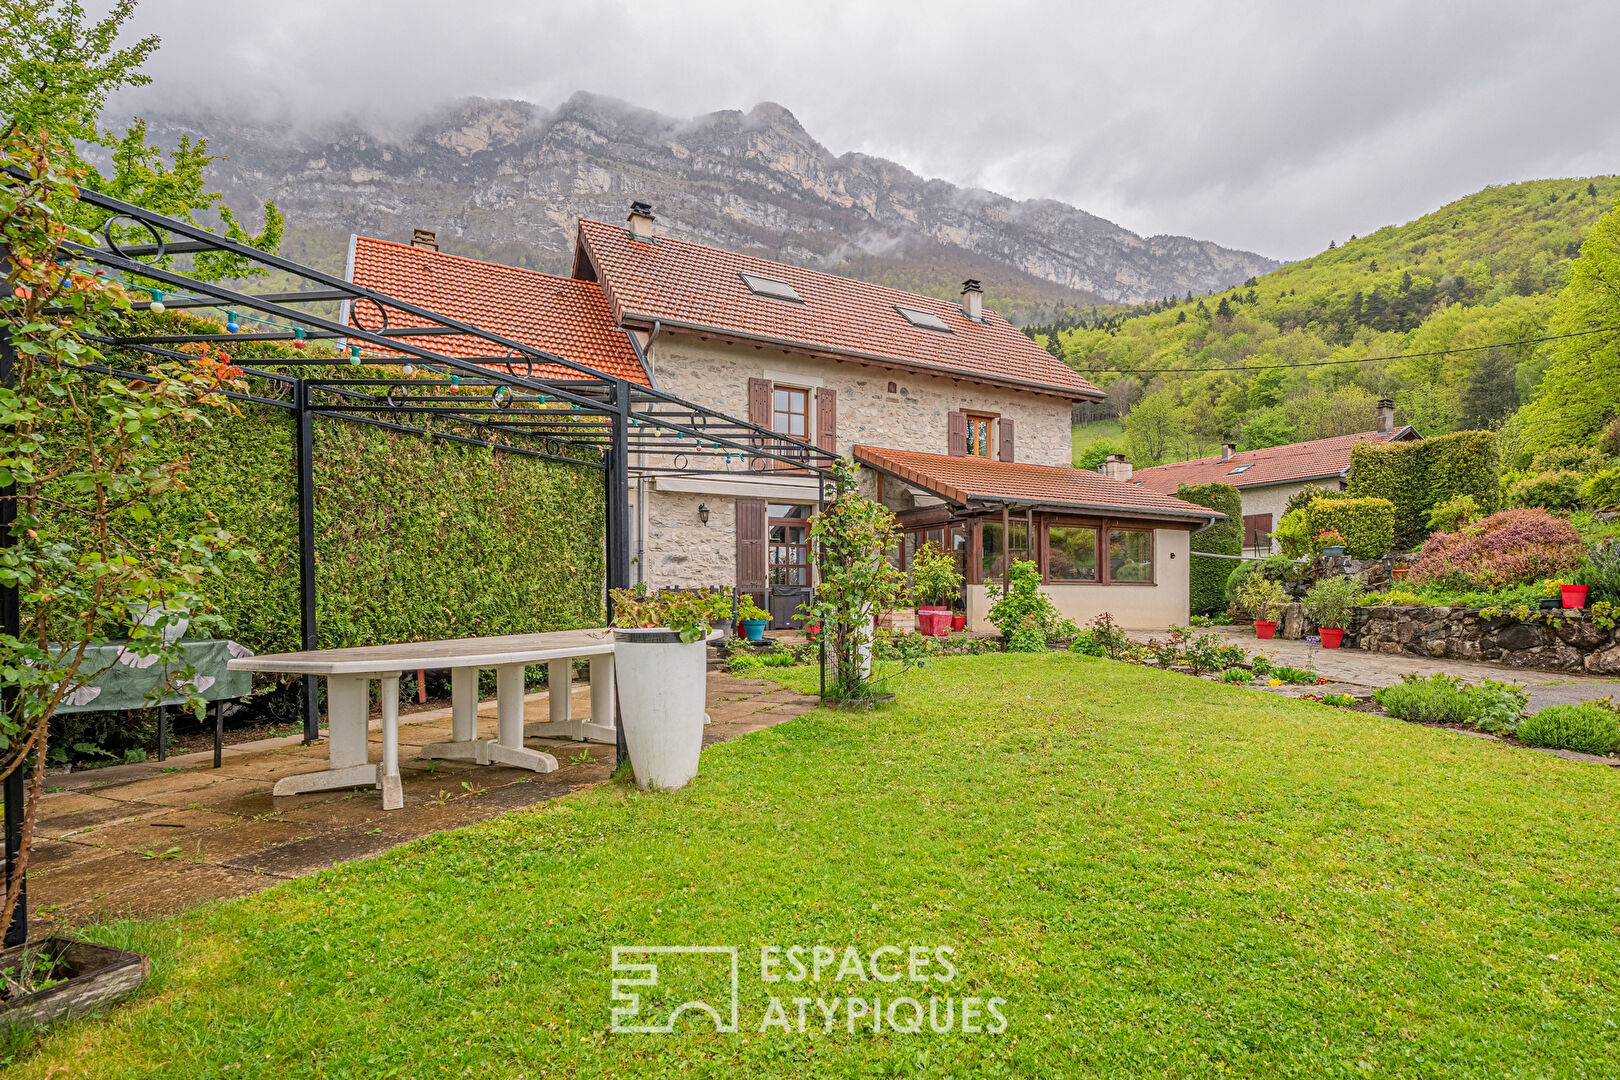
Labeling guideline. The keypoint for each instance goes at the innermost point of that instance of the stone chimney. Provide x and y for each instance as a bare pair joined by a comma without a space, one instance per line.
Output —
641,220
1115,467
425,238
973,299
1227,450
1386,416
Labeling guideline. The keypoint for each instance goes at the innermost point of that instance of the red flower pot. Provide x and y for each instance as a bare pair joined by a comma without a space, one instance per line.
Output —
958,622
1332,637
1574,595
1265,628
934,623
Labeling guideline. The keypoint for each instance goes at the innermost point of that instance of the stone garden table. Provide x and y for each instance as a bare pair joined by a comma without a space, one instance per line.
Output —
349,673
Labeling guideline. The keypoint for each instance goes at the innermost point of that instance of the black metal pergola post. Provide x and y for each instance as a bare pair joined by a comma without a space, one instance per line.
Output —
305,421
16,933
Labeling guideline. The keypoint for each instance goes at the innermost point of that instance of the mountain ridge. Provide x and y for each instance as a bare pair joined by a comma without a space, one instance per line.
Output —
506,179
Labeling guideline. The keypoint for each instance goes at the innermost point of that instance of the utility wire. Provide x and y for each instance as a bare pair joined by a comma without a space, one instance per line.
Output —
1357,360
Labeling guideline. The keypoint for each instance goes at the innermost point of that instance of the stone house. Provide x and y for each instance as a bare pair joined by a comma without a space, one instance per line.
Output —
960,422
1266,479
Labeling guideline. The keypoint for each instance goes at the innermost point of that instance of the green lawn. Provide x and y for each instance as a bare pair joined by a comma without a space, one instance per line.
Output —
1160,875
1083,435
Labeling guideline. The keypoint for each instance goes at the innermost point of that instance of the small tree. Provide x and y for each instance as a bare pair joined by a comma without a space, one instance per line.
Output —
934,577
849,545
72,445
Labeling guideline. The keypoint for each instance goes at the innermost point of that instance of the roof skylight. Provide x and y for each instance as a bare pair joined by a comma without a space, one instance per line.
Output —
1240,468
927,320
776,290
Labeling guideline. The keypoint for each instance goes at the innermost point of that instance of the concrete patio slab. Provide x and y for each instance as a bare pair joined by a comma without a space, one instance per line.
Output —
139,840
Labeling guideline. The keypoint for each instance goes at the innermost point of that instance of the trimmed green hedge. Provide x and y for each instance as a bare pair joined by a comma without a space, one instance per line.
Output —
1367,525
1420,474
415,539
1208,576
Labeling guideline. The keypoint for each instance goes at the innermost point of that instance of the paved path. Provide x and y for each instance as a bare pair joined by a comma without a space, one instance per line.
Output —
139,840
1369,671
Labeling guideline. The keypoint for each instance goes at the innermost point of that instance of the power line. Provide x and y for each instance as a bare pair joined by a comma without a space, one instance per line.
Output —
1358,360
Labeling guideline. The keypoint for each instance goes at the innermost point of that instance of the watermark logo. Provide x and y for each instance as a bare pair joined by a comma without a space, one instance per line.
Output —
808,989
669,980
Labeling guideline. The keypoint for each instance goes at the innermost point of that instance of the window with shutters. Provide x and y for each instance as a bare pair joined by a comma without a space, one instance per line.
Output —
978,435
790,411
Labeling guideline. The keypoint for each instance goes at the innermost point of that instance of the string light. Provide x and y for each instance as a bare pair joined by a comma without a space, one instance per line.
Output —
231,325
354,355
298,337
158,307
409,369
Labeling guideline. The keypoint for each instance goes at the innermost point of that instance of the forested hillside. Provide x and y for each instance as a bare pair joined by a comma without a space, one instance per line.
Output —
1274,360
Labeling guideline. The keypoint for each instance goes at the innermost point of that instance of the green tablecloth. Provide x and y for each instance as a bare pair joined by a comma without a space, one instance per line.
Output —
122,679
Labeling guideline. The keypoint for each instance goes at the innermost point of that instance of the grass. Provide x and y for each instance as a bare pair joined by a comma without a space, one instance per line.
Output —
1161,875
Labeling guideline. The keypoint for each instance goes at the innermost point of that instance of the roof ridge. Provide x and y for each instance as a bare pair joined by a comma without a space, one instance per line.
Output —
560,278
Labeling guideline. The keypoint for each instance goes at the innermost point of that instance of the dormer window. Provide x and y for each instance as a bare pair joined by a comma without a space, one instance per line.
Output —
771,288
925,320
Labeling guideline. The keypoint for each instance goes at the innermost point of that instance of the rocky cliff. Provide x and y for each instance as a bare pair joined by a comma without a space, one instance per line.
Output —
505,180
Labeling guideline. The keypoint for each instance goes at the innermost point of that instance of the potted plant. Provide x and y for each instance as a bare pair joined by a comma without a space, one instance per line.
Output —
659,669
1572,595
958,618
1330,542
1331,603
752,618
1264,599
60,978
935,582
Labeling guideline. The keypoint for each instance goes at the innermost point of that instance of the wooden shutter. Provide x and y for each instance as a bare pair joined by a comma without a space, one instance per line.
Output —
751,545
1256,530
956,434
827,419
759,412
1006,428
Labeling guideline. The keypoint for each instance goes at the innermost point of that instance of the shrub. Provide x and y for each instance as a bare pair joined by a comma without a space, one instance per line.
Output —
1552,490
1602,491
1332,601
1446,699
1587,728
1261,597
1453,514
1417,476
1511,547
1308,494
1585,460
748,611
934,577
1601,574
1437,699
1293,536
1088,643
1208,576
1367,524
1278,568
1116,645
1027,638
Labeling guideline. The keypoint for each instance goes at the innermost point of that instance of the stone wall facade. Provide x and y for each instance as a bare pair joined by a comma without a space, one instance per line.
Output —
1559,643
912,417
680,550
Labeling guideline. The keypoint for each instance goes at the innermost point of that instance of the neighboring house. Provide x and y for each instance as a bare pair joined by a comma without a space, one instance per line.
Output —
1267,478
961,422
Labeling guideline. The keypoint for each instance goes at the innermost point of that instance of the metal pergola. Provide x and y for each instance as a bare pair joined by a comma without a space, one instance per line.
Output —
517,399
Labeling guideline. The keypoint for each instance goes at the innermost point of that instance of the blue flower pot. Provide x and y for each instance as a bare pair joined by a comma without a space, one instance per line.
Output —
754,629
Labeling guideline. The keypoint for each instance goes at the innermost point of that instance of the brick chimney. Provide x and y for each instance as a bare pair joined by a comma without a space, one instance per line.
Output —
1227,450
425,238
1386,416
641,220
1115,467
973,299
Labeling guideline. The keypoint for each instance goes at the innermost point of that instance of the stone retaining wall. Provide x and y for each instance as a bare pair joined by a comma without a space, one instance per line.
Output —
1573,643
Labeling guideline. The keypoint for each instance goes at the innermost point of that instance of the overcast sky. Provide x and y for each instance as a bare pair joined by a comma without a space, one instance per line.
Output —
1269,126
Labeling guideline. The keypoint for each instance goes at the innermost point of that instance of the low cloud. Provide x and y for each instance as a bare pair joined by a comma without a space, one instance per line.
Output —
1269,126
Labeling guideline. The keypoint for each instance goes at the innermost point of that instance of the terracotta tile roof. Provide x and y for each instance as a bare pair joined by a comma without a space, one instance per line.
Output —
1292,464
691,286
966,479
561,315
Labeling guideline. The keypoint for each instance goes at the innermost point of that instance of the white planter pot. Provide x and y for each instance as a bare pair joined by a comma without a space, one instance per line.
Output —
661,684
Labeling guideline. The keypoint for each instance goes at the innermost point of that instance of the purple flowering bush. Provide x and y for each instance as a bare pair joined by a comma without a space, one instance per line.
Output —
1512,547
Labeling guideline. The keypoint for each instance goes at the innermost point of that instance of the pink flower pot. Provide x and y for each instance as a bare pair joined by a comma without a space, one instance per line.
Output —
934,623
1332,637
1574,596
1264,628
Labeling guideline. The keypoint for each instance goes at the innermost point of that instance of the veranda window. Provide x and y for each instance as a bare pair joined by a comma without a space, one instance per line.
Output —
994,563
1130,555
1071,553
